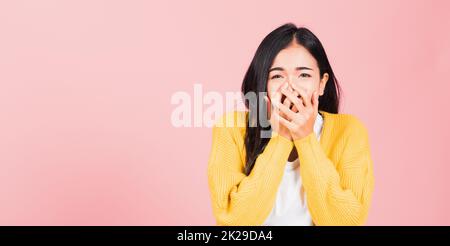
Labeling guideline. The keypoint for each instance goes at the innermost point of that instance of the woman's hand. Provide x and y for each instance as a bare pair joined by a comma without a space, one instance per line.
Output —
299,120
275,114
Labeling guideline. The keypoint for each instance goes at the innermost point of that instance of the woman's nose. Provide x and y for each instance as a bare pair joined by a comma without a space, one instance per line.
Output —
290,87
287,85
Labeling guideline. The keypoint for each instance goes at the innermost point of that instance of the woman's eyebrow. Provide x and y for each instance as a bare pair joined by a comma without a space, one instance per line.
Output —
276,68
281,69
303,68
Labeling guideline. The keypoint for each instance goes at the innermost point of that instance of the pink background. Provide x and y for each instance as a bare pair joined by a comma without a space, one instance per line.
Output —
85,88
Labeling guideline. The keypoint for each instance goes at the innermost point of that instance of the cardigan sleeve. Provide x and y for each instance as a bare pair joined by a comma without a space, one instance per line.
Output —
238,199
338,193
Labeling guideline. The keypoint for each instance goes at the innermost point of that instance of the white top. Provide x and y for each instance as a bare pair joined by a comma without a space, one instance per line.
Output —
290,206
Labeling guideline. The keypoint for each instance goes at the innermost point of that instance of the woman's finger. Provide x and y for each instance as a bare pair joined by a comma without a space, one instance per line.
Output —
284,122
277,95
295,108
273,109
305,97
285,110
294,99
287,102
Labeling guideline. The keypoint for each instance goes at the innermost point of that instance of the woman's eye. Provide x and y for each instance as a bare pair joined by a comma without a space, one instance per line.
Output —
277,76
305,75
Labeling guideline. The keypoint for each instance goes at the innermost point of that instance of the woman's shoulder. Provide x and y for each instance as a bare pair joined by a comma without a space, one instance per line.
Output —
231,126
345,123
232,119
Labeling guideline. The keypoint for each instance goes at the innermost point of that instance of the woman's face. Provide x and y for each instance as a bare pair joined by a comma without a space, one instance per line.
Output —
295,65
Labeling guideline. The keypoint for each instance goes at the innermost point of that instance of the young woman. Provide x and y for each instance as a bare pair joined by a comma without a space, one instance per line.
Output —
315,166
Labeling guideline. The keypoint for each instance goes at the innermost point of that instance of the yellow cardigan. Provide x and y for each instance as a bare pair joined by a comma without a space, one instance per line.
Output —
337,172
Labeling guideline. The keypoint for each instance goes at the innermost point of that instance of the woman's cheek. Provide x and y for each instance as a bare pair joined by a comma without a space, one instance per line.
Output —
309,86
272,87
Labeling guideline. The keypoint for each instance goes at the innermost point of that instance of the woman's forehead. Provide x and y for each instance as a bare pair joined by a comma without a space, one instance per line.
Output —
293,57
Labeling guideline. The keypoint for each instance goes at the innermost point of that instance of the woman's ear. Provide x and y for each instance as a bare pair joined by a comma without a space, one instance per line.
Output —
323,83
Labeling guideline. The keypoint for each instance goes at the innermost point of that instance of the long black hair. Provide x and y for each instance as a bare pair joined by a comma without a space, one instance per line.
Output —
255,81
